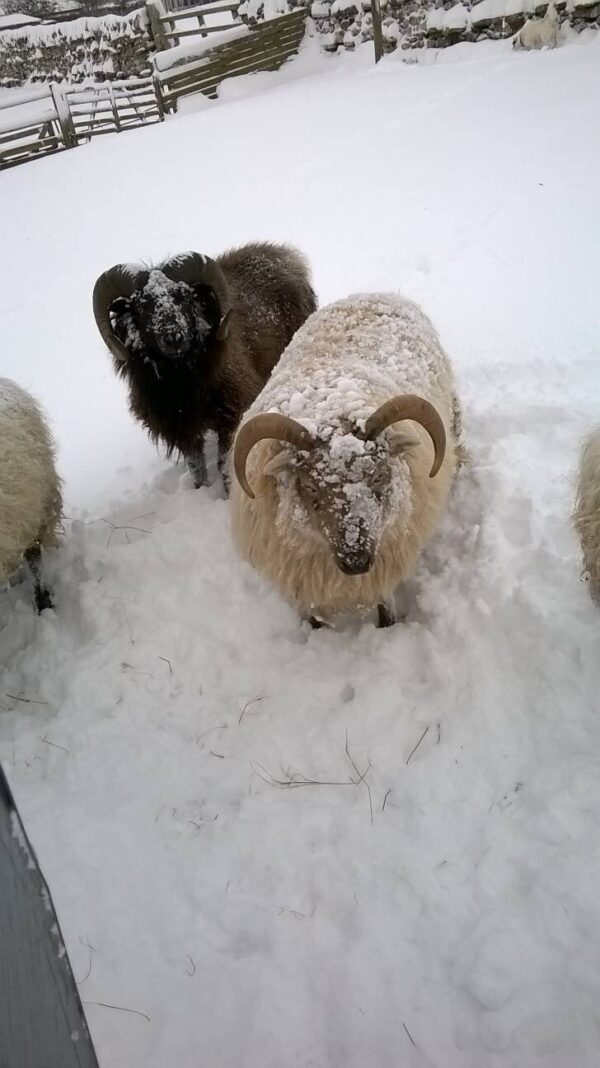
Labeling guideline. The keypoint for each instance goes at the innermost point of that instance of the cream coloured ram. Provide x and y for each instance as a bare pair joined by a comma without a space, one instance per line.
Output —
30,494
344,462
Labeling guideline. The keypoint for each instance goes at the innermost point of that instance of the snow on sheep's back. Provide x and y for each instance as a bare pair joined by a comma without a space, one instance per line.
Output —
426,897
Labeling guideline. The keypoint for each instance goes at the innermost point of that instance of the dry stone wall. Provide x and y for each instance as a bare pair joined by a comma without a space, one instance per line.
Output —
85,50
407,24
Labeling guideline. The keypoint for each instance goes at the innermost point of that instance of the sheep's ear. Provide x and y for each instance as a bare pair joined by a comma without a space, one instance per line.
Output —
400,441
223,327
282,461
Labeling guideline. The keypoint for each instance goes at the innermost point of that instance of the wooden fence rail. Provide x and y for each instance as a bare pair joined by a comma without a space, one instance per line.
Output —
265,46
66,117
163,22
54,117
113,108
32,127
39,92
32,140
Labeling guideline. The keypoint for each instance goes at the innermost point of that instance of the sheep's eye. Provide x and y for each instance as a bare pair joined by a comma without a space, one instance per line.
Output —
313,495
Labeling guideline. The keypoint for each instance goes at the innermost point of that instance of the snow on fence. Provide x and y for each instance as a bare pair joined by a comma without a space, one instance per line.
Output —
113,108
165,24
30,126
265,46
53,117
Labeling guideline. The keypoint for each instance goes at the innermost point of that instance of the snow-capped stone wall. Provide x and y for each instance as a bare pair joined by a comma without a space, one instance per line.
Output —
109,47
87,49
437,23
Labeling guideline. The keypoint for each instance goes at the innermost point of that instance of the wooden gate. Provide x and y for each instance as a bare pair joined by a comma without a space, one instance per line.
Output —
33,126
265,46
53,117
113,107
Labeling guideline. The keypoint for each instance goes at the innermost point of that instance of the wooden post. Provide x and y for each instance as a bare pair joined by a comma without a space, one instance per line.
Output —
65,119
377,30
159,97
171,24
155,12
115,109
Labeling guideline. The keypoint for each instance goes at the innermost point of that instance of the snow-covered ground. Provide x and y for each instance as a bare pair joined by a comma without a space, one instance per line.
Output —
277,847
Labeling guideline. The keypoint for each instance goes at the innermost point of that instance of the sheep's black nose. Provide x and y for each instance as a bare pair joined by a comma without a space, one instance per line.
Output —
356,563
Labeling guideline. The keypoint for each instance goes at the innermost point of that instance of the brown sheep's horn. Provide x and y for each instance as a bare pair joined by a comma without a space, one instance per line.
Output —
270,425
119,281
409,406
192,268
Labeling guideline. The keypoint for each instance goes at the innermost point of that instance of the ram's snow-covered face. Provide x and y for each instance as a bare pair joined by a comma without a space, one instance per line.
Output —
164,319
348,490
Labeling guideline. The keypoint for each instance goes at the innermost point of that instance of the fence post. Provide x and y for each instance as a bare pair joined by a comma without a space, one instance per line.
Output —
160,104
377,30
65,119
156,28
115,109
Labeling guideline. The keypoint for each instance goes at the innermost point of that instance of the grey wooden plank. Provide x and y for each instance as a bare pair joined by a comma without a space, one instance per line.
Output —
42,1023
245,63
273,28
25,98
209,86
218,60
204,31
202,9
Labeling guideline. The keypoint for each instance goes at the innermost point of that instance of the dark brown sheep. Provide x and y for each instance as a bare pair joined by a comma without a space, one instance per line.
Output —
196,339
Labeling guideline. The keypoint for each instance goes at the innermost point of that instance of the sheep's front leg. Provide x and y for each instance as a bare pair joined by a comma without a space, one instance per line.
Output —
41,595
385,616
224,444
196,462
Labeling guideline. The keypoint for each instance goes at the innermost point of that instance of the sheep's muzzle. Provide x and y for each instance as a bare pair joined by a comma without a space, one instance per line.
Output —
355,563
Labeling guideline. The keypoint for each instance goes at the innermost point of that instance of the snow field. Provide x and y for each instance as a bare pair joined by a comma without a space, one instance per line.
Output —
429,895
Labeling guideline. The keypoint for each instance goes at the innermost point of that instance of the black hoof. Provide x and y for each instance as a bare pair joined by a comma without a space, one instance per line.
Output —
385,616
43,600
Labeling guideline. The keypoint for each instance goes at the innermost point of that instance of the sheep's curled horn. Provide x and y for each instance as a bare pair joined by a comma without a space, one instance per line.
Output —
419,410
123,280
119,281
282,428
